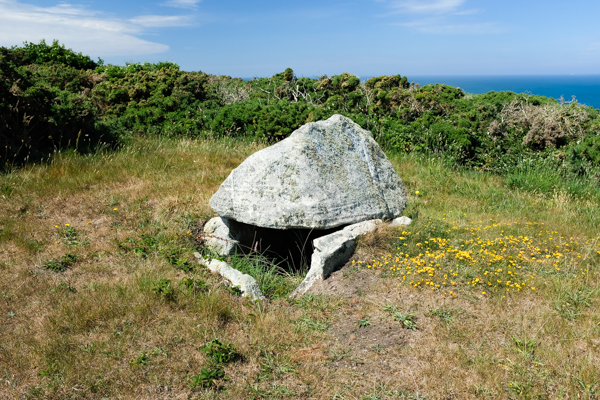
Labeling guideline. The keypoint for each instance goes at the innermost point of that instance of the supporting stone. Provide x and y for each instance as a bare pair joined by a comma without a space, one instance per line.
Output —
333,251
400,221
245,282
218,236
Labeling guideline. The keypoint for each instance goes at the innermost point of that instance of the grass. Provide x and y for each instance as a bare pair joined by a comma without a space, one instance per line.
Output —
100,296
273,279
448,254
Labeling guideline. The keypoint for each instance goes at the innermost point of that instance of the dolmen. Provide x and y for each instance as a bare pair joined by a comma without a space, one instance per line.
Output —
306,199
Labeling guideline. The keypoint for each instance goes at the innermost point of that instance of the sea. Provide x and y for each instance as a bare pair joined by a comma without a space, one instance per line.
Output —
584,88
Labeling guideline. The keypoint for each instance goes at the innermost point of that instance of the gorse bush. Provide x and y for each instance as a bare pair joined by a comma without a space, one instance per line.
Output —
45,103
53,98
42,53
152,99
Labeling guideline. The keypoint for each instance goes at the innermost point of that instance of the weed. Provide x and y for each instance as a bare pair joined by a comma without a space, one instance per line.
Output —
234,290
159,351
64,287
51,370
571,303
179,262
363,323
193,285
522,389
591,390
70,235
275,391
406,320
525,347
579,298
338,355
6,189
142,359
163,288
61,265
483,391
221,353
311,302
89,348
377,348
35,245
482,256
311,324
207,377
143,246
443,314
273,365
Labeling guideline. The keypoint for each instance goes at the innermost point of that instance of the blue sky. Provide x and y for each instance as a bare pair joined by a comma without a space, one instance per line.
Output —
363,37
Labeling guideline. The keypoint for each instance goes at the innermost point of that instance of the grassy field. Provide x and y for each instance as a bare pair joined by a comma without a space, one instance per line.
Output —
492,292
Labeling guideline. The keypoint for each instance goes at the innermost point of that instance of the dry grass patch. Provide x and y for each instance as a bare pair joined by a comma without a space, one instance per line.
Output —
100,296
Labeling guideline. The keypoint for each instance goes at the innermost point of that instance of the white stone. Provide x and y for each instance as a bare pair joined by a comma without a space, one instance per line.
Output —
245,282
364,227
333,251
326,174
218,238
400,221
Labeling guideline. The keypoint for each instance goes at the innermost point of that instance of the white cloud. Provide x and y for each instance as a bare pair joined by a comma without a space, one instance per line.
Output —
471,11
427,7
439,26
191,4
89,31
160,21
438,17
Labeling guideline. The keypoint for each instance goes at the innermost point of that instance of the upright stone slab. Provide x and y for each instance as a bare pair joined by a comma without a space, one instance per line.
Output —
218,236
332,252
326,174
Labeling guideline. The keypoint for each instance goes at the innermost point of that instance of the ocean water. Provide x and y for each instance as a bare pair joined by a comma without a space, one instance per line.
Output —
585,88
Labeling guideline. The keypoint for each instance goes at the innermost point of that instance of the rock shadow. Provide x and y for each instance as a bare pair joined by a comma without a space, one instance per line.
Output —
292,249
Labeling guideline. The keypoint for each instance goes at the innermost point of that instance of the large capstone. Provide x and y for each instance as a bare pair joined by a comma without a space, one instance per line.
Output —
326,174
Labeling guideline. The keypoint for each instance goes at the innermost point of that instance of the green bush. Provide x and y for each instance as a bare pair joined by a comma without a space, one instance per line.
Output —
44,108
52,98
588,149
152,99
41,53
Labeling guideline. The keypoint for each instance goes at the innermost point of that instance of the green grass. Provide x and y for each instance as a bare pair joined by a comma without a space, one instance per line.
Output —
274,280
130,317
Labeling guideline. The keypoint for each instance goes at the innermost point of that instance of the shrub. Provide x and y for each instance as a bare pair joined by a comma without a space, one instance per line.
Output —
45,107
41,53
588,149
152,99
52,98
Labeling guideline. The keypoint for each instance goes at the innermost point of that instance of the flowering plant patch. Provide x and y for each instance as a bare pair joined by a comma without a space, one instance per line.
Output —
491,256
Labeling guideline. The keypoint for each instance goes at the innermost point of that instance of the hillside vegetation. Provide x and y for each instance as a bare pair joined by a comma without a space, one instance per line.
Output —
52,99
